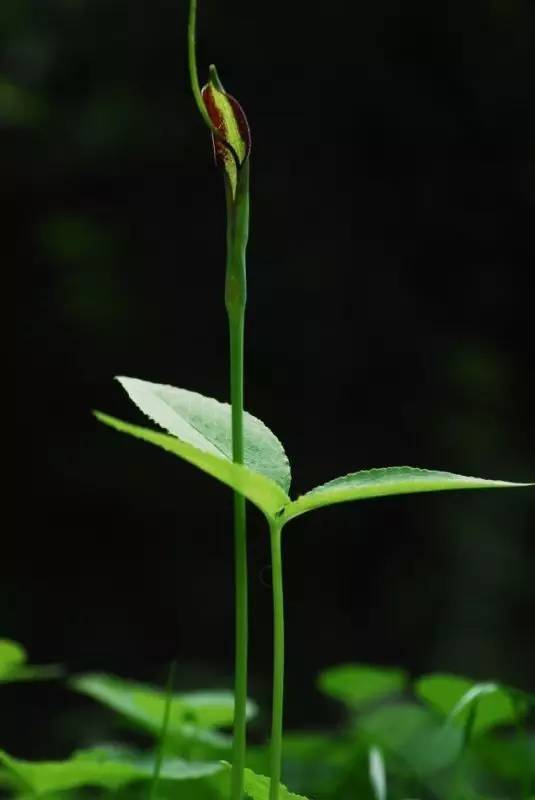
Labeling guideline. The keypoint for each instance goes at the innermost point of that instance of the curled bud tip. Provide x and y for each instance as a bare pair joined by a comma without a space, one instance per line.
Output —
214,78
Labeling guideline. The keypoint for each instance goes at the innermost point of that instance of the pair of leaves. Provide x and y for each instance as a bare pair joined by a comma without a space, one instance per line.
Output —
202,435
192,715
110,769
14,665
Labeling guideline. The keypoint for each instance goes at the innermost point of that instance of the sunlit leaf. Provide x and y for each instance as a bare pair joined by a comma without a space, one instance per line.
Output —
206,424
255,786
359,684
12,654
82,770
386,481
261,491
14,669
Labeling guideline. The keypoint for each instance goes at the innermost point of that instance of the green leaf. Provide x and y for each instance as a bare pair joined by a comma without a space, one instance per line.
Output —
14,669
508,758
313,762
356,685
383,482
83,770
255,786
206,424
144,705
261,491
453,696
12,654
411,733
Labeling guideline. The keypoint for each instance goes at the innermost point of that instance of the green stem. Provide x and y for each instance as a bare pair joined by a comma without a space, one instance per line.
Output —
235,299
278,660
192,64
163,735
240,565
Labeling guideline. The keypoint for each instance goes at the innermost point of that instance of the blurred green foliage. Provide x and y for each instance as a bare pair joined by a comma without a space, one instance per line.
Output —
386,747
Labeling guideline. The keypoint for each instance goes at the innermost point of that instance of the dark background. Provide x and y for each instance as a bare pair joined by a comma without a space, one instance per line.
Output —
390,321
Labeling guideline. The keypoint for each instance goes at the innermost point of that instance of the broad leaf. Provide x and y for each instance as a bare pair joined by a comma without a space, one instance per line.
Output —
383,482
206,424
359,684
14,669
454,696
261,491
82,769
144,705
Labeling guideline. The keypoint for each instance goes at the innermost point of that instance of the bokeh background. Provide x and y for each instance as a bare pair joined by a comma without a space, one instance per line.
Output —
390,321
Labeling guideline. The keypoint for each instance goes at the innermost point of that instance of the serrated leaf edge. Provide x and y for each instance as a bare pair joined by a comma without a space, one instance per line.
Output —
492,484
419,470
286,462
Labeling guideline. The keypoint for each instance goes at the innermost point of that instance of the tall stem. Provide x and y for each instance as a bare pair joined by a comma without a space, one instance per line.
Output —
278,661
235,299
240,565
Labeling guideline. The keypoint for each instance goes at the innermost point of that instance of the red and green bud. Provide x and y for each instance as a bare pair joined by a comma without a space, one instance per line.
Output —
232,142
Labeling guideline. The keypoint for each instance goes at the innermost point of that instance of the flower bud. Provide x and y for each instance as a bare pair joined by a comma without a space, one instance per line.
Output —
232,145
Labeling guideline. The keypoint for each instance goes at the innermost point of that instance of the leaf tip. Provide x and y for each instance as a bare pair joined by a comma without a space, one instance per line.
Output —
124,380
106,419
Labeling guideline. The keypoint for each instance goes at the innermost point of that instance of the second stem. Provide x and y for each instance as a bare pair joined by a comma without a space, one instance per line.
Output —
278,660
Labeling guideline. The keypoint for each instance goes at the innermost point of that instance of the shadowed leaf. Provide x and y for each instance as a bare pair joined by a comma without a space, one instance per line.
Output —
261,491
